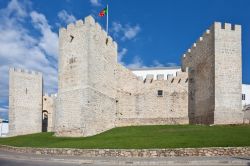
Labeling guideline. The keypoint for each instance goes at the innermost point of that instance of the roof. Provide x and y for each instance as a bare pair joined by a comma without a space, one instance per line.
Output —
156,68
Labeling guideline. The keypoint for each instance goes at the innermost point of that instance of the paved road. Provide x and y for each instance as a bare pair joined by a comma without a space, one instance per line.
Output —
16,159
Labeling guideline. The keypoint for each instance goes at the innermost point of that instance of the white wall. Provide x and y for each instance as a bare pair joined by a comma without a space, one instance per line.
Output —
155,71
246,91
4,129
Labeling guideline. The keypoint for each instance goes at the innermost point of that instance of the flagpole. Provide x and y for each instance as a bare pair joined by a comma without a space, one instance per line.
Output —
107,23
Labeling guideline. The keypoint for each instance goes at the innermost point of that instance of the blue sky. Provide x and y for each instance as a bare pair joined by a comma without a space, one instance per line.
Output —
149,33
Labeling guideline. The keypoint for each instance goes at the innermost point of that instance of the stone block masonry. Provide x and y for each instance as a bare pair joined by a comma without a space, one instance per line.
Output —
96,93
151,102
228,74
215,76
174,152
86,96
25,102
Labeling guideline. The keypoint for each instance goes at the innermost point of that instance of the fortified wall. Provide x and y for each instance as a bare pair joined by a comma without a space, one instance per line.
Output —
96,93
215,76
139,101
25,102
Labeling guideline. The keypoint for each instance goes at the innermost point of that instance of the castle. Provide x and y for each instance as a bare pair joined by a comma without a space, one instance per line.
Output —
96,93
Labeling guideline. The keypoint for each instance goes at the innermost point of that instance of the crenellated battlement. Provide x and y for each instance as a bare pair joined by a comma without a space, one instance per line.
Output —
197,43
207,35
160,77
187,57
149,78
25,71
208,32
88,22
181,77
227,26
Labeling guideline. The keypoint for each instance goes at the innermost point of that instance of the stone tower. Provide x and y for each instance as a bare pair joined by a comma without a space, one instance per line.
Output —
86,101
25,102
215,74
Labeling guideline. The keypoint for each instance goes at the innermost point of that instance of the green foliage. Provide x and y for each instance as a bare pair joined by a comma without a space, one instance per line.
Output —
165,136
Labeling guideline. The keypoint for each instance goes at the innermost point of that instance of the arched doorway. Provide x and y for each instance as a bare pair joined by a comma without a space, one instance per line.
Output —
45,121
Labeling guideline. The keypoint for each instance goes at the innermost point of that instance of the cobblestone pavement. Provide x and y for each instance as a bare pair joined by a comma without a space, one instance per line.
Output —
17,159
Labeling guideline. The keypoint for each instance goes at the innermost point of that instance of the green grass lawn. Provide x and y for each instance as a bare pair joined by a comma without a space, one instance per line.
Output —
174,136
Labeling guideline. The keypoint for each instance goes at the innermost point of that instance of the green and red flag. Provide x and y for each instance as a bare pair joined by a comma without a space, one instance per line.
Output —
103,12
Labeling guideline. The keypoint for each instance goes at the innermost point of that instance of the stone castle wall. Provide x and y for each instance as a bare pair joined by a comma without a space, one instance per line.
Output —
214,63
199,59
96,93
25,102
139,104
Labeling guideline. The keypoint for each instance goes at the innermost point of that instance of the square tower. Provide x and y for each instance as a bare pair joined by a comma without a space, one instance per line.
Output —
25,102
215,74
228,74
87,86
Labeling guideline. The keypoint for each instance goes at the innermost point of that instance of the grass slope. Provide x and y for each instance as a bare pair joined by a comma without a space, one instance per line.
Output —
166,136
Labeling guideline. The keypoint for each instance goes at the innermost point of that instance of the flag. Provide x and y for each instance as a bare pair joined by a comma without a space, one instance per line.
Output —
103,12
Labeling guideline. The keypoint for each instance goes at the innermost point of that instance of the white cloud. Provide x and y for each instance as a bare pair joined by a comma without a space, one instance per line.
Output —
66,17
49,39
121,54
14,7
18,48
136,63
156,63
171,64
131,32
3,110
125,32
117,27
95,2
